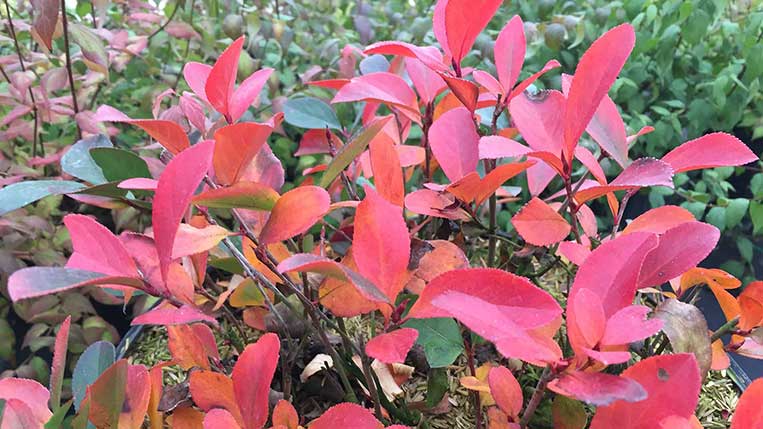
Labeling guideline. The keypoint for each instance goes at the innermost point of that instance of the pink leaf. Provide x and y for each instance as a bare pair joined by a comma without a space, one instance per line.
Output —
177,185
26,401
431,203
381,244
380,87
539,224
431,57
221,82
457,23
295,212
219,418
191,241
681,248
708,151
598,388
196,75
540,120
346,415
247,92
252,376
672,383
167,133
641,173
37,281
392,347
509,52
168,314
59,363
506,390
630,324
427,83
455,143
748,413
595,74
235,147
97,249
659,219
139,183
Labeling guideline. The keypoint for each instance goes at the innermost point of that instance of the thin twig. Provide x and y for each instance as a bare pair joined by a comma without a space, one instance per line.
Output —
166,23
540,391
725,329
65,23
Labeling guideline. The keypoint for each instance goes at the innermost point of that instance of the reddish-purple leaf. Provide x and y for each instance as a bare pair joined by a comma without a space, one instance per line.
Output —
169,134
748,413
457,23
177,185
672,384
295,212
430,56
681,248
168,314
306,262
346,415
708,151
539,224
59,363
235,147
465,91
45,20
506,390
455,143
509,53
381,244
221,82
251,379
598,388
246,93
392,347
595,74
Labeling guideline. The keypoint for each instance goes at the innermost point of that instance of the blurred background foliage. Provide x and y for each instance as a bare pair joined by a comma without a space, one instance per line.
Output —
697,67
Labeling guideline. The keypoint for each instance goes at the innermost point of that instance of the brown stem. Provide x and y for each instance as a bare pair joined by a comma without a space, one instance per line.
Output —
490,164
540,391
621,211
166,23
370,381
65,23
572,208
473,372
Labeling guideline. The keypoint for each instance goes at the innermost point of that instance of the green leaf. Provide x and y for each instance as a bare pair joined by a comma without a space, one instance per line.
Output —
756,214
568,413
92,47
7,341
18,195
441,339
310,112
57,419
735,211
717,216
78,162
744,245
119,164
91,364
437,386
756,185
351,151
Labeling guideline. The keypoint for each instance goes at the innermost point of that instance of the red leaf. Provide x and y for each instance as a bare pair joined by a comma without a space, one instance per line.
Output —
196,75
598,388
539,224
137,396
314,142
659,219
346,415
466,91
708,151
503,308
672,383
610,272
681,248
496,147
211,390
221,82
509,53
471,188
381,244
540,120
388,173
235,147
751,306
381,87
252,376
285,415
97,249
641,173
595,74
306,262
427,82
506,391
392,347
108,394
748,413
45,20
550,65
455,143
220,419
457,23
26,402
428,55
248,92
176,186
294,213
58,365
167,133
192,345
168,314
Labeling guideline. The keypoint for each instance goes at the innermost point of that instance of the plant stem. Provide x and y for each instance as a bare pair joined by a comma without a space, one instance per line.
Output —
572,208
65,23
540,391
169,19
35,114
473,372
490,164
725,329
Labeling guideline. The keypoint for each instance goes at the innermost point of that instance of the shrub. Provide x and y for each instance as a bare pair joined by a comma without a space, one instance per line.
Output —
407,232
